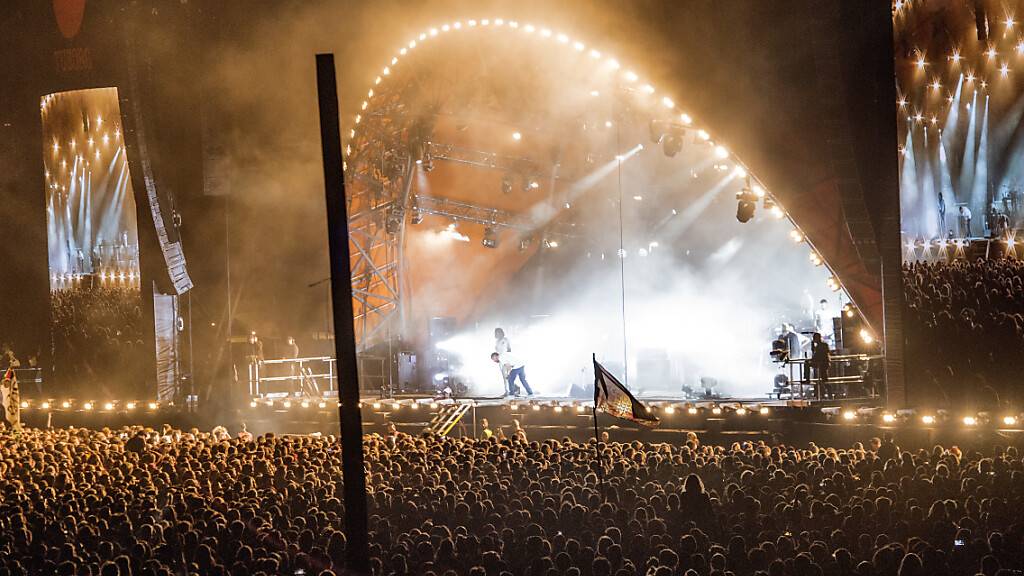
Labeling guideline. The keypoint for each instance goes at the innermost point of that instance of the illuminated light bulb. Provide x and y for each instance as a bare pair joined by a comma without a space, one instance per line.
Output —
920,62
403,51
1007,420
457,25
24,405
287,403
252,404
1020,47
796,236
414,406
691,411
934,120
87,406
558,408
721,153
536,407
777,212
740,172
433,31
517,136
703,135
321,404
529,29
377,80
446,28
108,406
581,408
815,259
513,24
485,22
969,78
46,406
685,119
631,76
578,46
955,57
396,406
411,44
545,33
433,405
394,60
849,415
716,410
763,411
667,102
741,411
1009,22
99,121
106,138
1004,70
984,84
970,420
376,405
65,404
991,52
647,88
936,84
928,419
670,410
304,404
562,38
866,336
759,191
888,418
613,64
499,22
595,54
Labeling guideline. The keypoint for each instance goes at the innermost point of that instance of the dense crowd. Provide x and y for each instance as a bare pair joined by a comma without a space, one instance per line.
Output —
965,329
142,502
98,341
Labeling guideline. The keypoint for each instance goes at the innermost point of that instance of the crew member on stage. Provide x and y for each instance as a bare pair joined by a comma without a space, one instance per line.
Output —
965,222
516,368
821,361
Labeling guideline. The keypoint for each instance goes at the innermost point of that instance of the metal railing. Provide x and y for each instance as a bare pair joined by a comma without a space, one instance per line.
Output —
845,370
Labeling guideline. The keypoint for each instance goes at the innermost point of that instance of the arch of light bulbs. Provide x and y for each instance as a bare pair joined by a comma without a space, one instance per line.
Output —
542,33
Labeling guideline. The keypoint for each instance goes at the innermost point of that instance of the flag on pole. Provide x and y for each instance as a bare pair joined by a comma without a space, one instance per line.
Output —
611,397
11,399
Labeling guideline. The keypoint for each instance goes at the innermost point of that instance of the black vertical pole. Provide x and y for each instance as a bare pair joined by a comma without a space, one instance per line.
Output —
357,549
597,434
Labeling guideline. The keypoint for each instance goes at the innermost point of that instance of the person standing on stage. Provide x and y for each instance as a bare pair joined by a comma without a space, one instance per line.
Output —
823,320
820,361
942,214
516,368
965,222
502,346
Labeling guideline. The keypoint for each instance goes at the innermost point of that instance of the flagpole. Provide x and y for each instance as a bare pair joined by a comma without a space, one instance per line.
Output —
597,435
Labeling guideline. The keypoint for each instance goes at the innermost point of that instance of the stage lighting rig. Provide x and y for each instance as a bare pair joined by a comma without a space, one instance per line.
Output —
393,225
746,203
490,239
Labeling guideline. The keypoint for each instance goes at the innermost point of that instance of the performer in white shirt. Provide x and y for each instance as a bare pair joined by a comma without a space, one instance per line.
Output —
501,343
516,368
823,320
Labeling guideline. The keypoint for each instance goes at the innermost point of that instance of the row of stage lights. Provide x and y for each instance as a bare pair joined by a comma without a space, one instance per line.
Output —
105,276
71,405
927,419
663,408
669,134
